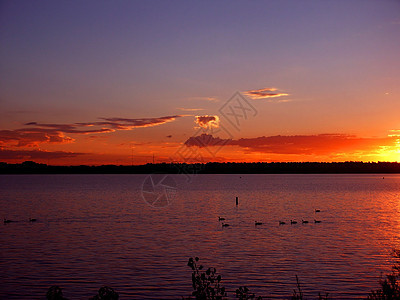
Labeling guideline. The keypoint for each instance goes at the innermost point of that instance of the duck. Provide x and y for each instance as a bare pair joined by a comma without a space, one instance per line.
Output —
257,223
304,221
225,225
282,223
317,221
317,210
32,220
221,219
293,222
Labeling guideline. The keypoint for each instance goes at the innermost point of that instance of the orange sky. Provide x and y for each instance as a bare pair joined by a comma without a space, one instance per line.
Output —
189,82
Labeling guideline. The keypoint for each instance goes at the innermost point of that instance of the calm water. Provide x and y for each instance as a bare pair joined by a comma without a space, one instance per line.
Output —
95,230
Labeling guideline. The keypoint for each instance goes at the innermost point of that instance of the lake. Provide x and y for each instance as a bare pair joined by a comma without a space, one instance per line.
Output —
135,233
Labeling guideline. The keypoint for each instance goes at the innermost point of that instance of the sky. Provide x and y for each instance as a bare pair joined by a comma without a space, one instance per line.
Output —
134,82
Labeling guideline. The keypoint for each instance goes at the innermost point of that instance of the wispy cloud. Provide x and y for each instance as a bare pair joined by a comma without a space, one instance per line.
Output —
212,99
126,124
66,128
41,133
207,121
265,93
108,124
394,132
190,109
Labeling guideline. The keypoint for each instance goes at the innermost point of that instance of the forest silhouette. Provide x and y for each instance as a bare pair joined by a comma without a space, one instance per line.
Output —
349,167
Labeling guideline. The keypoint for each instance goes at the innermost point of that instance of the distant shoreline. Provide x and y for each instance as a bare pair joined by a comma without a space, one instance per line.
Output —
30,167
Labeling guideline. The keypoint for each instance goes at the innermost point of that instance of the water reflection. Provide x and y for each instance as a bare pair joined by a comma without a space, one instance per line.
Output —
95,230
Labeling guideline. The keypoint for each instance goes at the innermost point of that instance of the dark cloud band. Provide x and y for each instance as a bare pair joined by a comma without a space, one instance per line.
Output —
320,144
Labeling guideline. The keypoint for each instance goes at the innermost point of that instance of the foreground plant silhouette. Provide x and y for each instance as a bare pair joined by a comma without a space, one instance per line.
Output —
55,293
298,294
243,293
206,285
390,286
104,293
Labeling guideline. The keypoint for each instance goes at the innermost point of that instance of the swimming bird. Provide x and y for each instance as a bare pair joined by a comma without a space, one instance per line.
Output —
282,223
293,222
257,223
304,221
317,210
317,221
221,219
32,220
7,221
225,225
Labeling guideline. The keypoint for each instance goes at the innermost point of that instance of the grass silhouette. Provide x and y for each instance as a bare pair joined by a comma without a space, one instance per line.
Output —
207,285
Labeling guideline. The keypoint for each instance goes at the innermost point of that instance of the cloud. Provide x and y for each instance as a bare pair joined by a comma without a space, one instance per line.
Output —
265,93
66,128
39,133
36,154
108,125
190,109
310,144
61,127
30,138
122,123
207,121
394,132
211,99
205,140
320,144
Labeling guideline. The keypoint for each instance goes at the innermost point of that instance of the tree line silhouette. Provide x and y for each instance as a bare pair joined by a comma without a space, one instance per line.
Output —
348,167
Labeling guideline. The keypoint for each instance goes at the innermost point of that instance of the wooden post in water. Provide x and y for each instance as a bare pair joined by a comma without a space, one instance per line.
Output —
237,201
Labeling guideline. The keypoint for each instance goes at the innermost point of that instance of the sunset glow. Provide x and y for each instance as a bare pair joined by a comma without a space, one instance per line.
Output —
129,82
